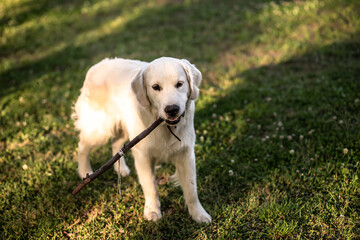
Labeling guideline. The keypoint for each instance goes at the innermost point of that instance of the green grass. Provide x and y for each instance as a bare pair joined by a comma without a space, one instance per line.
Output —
278,119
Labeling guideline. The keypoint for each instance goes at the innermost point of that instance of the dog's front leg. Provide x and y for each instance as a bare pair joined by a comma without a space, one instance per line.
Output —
186,175
145,171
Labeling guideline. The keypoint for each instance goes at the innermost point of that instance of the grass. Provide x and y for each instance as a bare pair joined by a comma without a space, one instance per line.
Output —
277,121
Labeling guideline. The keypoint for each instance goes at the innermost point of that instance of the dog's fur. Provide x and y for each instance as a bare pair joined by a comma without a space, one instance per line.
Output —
120,98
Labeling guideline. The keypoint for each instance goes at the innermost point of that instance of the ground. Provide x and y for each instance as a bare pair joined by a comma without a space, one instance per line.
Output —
278,133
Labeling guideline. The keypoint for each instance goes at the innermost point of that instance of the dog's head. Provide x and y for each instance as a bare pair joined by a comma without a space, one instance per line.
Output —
167,84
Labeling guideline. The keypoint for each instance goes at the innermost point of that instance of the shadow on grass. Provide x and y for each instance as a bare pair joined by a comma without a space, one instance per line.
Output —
302,93
24,11
43,25
180,31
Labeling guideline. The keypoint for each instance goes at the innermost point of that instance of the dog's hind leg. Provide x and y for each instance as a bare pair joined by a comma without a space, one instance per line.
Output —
84,166
88,141
117,143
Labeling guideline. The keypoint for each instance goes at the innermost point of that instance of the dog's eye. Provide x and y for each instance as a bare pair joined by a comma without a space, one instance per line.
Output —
156,87
179,84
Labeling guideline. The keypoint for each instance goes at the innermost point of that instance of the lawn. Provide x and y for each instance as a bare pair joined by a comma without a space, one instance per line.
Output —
277,120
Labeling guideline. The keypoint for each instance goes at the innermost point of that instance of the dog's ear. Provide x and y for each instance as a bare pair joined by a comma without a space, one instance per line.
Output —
139,88
194,78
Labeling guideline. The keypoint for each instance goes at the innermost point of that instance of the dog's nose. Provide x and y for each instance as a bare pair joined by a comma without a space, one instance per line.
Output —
172,110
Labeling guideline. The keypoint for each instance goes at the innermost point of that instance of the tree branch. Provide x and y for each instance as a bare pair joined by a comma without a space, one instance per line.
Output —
122,152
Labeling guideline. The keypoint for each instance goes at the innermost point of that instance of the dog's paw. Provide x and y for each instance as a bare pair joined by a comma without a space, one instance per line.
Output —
199,215
124,169
174,179
152,210
83,173
153,216
202,218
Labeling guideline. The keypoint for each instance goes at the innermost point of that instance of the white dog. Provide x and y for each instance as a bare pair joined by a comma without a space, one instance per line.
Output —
120,98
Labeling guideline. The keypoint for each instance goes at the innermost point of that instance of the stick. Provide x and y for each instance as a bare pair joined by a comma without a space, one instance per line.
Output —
122,152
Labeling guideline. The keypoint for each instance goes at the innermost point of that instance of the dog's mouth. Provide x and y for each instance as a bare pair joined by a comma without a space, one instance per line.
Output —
174,120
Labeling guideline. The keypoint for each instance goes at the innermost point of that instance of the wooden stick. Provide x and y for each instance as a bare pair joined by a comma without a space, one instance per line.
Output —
118,155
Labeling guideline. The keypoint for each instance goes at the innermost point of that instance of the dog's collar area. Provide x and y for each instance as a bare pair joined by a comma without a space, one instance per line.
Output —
173,133
175,122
